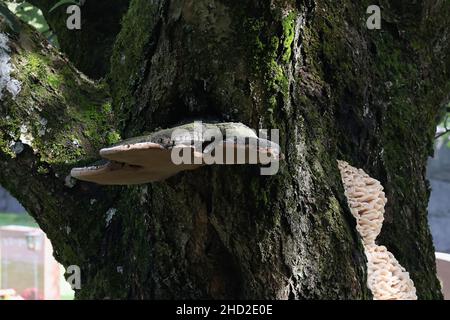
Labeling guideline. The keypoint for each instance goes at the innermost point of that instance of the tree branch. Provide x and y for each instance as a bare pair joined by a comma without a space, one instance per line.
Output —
56,118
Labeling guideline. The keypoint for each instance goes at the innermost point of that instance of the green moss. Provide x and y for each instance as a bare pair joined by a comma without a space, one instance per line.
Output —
54,80
9,130
107,107
52,94
42,170
129,53
270,53
35,64
288,35
113,138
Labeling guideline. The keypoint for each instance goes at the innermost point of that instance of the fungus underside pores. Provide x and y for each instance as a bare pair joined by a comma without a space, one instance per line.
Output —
164,153
387,279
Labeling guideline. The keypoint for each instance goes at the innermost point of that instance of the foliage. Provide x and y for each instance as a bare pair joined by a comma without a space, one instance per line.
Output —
9,17
7,219
65,2
33,16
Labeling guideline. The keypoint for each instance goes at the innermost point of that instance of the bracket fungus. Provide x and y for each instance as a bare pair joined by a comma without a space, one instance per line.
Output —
164,153
387,279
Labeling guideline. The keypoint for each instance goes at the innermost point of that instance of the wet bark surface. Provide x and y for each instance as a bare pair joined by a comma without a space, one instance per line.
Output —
311,69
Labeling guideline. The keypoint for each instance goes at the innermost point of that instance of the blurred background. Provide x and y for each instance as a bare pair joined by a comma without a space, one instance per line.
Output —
438,172
28,269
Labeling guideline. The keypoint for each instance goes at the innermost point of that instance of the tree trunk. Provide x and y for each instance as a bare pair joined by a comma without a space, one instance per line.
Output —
90,47
311,69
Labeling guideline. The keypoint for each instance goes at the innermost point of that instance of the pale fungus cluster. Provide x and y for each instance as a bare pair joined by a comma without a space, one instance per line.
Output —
387,279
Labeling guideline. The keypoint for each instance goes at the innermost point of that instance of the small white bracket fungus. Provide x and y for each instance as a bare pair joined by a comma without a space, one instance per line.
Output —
167,152
387,279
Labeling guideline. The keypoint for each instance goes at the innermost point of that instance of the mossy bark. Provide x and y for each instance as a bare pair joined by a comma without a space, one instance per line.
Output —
311,69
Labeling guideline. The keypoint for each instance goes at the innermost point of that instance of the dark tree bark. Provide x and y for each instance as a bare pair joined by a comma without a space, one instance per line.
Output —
89,48
312,69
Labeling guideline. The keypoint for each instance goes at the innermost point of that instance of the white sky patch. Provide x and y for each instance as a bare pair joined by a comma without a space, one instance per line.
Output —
13,86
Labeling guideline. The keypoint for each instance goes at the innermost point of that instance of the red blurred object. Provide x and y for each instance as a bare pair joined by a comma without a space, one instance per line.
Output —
32,294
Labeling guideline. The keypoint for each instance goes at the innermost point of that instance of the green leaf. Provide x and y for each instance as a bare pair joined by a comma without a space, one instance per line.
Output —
10,18
63,2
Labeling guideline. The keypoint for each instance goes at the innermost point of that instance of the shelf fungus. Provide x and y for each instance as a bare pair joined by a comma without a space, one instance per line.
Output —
387,279
164,153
